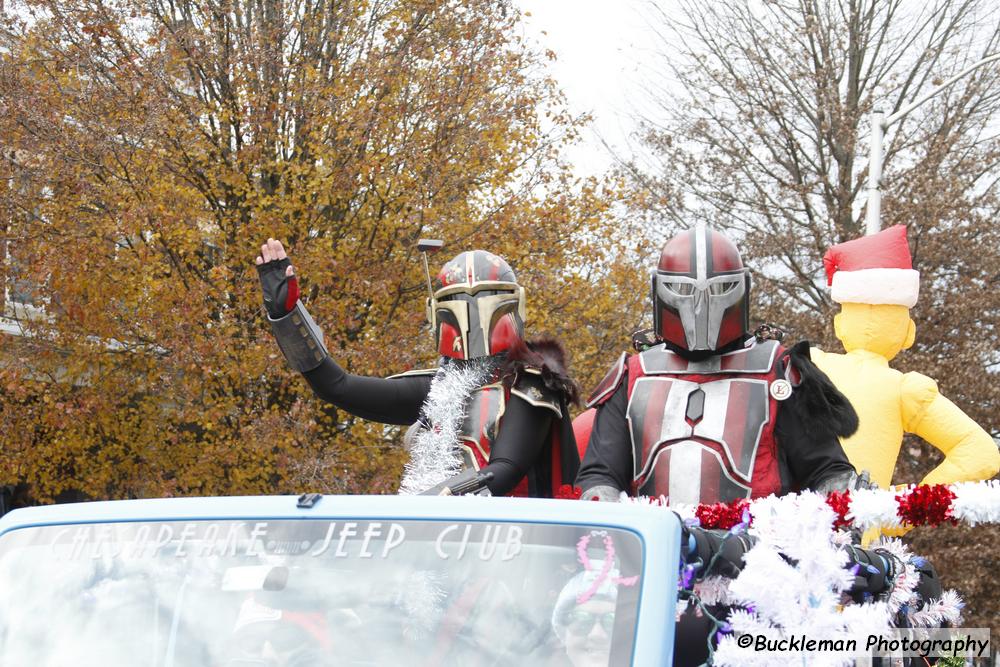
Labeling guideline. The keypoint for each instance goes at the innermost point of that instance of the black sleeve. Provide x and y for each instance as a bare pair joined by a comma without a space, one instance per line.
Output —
608,461
523,432
390,401
811,452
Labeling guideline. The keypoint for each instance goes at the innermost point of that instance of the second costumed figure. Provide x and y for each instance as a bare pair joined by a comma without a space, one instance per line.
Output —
494,409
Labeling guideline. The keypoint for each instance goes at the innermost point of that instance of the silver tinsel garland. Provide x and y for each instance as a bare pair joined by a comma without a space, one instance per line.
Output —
421,600
435,456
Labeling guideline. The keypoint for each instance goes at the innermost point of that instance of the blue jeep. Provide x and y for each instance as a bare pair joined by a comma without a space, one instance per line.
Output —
338,580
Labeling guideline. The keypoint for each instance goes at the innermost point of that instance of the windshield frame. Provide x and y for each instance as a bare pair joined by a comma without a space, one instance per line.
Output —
657,529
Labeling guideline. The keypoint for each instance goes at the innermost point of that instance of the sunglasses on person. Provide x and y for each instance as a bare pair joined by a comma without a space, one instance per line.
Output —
582,622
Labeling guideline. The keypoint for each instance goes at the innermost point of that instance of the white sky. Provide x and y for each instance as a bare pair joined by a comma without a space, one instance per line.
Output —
600,46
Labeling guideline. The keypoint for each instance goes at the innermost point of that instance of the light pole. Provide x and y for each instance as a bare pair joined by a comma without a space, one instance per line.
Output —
879,125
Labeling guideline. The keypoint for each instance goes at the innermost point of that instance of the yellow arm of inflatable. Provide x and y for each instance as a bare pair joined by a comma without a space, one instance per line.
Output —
969,451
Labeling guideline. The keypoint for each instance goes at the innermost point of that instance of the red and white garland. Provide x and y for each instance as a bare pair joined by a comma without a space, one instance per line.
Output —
808,528
799,545
971,503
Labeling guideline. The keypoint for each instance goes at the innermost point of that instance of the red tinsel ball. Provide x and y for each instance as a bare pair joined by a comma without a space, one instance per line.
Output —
568,492
840,502
926,505
722,515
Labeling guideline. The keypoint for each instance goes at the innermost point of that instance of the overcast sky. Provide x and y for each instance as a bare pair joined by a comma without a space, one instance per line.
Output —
600,46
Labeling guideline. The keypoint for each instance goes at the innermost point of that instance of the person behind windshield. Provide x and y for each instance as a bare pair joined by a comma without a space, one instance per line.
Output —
483,625
514,422
269,637
584,616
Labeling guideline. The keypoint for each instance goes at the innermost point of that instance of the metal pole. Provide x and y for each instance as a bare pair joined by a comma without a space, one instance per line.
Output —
427,272
917,102
874,205
879,124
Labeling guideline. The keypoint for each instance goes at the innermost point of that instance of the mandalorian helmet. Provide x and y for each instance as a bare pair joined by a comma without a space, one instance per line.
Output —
477,308
701,291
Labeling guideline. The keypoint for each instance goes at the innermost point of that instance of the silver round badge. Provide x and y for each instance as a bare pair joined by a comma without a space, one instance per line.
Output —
781,389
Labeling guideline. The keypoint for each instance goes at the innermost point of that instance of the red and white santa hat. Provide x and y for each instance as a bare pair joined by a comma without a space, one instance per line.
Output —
874,269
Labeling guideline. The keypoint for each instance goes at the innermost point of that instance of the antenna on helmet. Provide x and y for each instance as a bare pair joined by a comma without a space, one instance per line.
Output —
425,246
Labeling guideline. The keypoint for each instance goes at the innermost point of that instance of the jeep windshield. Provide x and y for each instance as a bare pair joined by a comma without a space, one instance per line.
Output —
313,593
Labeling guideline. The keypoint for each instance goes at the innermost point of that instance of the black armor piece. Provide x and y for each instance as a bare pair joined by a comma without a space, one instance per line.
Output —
531,387
300,339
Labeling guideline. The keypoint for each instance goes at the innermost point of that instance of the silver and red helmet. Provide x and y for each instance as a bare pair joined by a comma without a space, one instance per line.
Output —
478,308
701,291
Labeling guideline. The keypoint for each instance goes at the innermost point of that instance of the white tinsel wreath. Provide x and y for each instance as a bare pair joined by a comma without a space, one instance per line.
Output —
805,596
795,580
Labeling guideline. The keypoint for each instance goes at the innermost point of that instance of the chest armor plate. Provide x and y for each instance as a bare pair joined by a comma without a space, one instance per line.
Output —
483,412
701,431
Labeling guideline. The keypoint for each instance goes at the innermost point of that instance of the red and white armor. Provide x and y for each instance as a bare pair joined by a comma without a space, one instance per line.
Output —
702,431
484,415
484,410
701,291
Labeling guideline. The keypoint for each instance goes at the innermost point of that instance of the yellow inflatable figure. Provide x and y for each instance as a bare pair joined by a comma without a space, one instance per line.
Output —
873,281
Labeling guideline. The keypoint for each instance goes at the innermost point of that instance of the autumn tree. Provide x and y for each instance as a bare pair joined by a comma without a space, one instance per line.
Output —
759,124
150,146
762,131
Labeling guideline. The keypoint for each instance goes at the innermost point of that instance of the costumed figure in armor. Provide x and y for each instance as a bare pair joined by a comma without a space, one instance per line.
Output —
495,408
713,413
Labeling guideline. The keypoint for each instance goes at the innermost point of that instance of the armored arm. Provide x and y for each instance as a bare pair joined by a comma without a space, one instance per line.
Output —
524,432
847,480
387,400
815,457
606,469
392,400
299,338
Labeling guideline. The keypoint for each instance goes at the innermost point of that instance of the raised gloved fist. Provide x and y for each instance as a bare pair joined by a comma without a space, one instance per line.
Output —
277,279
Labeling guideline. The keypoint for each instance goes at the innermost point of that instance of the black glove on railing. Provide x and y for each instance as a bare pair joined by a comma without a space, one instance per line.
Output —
466,482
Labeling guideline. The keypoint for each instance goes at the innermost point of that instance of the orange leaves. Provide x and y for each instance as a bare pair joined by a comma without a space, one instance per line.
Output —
151,187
